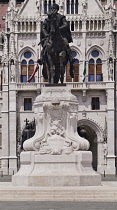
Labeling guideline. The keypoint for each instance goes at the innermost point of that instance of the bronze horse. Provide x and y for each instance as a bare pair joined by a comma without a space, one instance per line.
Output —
56,56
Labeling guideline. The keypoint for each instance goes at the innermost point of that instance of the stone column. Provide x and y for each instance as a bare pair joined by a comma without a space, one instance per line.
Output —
9,159
110,129
12,129
5,141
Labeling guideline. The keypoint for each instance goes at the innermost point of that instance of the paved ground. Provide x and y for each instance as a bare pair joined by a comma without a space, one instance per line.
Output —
57,206
109,184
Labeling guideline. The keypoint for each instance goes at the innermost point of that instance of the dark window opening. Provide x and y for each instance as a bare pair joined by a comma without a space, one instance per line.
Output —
45,7
49,6
95,103
27,104
72,7
68,7
76,7
72,26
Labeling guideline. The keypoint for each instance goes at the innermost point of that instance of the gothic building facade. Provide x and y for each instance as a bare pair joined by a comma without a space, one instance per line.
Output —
93,27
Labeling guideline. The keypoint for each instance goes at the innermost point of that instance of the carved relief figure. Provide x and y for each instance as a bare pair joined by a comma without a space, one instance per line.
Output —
12,71
38,4
84,7
105,152
111,69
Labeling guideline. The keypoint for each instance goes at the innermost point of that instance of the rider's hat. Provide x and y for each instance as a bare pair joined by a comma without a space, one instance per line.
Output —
55,6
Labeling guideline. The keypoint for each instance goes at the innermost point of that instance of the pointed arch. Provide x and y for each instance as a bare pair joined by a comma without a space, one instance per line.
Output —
95,47
27,48
78,51
26,60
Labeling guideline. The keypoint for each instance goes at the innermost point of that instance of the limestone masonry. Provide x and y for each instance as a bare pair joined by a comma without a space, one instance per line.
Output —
94,31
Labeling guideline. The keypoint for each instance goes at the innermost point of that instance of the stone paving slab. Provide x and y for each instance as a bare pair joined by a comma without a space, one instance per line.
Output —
58,206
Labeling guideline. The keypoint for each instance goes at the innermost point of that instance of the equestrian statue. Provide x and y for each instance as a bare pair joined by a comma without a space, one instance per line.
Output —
55,39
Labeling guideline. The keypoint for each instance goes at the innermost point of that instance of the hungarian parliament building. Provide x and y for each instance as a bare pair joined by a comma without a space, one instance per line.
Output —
93,25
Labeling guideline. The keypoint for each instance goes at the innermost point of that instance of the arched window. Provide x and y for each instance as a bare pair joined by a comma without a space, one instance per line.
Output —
49,6
98,70
45,7
76,7
68,6
91,70
24,62
27,67
95,67
72,6
24,71
76,69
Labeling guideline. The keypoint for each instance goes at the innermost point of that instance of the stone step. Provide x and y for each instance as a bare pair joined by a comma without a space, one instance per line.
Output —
106,192
58,195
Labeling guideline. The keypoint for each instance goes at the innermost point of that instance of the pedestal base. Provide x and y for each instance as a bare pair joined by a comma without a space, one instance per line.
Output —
56,170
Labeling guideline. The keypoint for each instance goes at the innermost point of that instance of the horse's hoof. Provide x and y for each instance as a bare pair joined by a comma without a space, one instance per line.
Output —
39,61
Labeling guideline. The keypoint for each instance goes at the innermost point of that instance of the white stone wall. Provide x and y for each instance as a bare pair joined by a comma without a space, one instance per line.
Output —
83,43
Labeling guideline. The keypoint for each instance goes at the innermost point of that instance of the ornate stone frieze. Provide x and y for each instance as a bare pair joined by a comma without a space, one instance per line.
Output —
24,36
96,34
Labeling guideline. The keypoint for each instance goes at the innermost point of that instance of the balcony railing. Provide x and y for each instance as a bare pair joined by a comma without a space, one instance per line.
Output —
27,86
72,85
87,85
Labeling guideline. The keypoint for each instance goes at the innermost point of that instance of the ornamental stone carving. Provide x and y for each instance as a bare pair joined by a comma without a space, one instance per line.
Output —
101,43
84,7
56,115
89,43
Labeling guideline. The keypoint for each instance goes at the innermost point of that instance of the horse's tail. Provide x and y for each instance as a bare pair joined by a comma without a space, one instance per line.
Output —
71,70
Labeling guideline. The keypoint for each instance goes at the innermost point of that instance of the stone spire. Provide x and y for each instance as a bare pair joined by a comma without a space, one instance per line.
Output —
110,10
12,47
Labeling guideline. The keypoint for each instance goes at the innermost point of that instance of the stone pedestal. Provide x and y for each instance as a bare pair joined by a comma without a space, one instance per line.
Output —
60,170
56,116
56,155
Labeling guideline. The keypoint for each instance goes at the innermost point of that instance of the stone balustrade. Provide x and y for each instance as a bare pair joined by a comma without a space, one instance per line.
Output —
72,85
28,86
88,85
